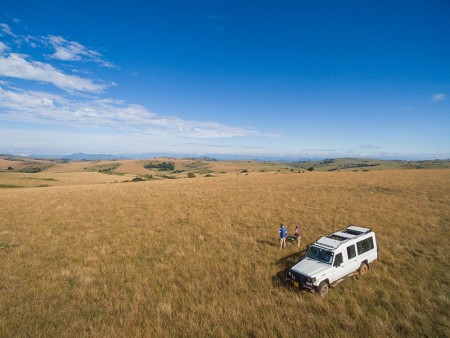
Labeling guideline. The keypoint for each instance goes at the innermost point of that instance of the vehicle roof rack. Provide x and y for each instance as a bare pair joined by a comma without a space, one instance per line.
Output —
335,239
355,230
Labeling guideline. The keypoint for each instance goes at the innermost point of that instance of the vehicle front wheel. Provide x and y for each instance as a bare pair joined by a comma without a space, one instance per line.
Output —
363,269
322,290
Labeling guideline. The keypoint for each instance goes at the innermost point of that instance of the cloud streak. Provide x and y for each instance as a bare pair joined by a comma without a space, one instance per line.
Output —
63,49
6,30
45,108
368,146
20,66
438,97
74,51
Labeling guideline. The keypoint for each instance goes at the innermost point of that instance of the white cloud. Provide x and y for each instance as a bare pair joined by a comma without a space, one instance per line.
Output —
74,51
63,50
46,108
17,66
368,146
86,112
3,48
438,97
6,30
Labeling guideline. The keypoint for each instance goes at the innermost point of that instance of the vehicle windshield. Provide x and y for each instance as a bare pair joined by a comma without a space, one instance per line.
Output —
320,254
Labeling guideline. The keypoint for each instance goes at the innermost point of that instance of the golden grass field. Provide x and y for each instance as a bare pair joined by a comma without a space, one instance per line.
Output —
200,257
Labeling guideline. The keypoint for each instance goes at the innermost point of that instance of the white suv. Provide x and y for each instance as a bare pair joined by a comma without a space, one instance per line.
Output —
334,257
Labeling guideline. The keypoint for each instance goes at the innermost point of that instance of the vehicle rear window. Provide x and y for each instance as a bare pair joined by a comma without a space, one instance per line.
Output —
351,251
365,245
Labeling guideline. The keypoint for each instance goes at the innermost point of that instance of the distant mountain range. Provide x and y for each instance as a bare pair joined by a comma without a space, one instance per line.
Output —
281,158
92,157
96,157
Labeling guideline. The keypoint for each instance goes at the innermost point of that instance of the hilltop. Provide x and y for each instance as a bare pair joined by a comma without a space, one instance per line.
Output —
20,171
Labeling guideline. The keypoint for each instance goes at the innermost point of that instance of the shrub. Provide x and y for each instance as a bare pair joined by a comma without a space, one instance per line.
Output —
137,179
168,177
33,170
310,169
191,175
327,161
160,166
9,186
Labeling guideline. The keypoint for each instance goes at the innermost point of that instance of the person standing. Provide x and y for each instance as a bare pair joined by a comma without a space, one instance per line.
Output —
298,234
283,235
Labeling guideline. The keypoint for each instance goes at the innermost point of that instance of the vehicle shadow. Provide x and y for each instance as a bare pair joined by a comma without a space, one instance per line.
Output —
281,278
292,259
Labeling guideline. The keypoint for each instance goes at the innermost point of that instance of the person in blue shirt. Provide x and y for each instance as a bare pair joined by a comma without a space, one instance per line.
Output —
283,235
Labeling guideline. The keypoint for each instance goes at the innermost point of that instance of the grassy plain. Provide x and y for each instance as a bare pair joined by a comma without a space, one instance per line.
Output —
200,257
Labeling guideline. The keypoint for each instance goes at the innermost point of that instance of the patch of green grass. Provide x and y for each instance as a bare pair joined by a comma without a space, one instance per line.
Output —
108,168
168,177
369,164
35,169
40,179
7,246
10,186
195,165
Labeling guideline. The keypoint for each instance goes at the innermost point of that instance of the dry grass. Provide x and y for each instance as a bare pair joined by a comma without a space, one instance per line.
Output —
199,257
72,166
47,178
133,167
19,165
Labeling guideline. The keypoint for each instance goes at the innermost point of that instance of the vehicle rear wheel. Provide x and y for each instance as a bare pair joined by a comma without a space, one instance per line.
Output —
322,290
363,269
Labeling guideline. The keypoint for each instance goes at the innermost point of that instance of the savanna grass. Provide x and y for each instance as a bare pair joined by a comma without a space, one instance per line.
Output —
200,257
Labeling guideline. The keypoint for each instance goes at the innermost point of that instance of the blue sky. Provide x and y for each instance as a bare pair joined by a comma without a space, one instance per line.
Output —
272,78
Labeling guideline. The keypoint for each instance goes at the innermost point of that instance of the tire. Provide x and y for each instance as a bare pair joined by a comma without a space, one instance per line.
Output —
322,290
363,269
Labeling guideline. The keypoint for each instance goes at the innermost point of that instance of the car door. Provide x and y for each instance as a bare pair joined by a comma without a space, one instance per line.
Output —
340,266
352,258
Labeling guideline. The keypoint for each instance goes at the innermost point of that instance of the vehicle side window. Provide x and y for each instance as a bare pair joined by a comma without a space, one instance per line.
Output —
351,251
338,260
365,245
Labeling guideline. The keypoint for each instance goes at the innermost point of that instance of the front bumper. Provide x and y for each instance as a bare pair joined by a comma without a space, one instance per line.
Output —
300,281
